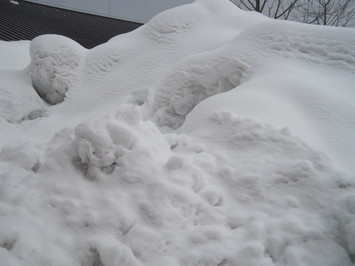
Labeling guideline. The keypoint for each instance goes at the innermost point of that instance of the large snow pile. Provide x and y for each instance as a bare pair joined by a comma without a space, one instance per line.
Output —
209,136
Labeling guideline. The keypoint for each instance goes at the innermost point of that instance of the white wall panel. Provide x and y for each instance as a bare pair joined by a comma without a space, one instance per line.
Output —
142,10
100,7
134,10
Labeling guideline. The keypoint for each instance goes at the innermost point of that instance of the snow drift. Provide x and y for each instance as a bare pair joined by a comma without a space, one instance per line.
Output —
209,136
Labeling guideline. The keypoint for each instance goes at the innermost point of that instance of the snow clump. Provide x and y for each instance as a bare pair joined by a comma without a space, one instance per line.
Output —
54,60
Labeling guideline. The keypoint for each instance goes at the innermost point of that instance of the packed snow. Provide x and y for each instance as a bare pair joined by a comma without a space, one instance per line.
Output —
209,136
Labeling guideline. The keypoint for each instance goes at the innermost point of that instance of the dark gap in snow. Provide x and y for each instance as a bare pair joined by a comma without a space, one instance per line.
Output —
224,262
45,96
352,258
108,169
82,167
36,167
31,116
95,257
34,115
9,244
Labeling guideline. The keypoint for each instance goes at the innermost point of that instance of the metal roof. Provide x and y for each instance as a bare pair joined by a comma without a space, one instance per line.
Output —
24,21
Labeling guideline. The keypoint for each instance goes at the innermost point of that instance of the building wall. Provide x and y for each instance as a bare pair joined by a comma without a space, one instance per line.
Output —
132,10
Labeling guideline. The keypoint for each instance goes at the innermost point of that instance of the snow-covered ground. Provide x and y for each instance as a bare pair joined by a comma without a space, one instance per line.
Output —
209,136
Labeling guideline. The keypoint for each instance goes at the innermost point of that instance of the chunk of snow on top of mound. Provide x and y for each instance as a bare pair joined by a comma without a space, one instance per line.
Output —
102,143
54,60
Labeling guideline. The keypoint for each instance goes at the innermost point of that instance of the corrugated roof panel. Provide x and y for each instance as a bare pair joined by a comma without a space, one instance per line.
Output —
25,21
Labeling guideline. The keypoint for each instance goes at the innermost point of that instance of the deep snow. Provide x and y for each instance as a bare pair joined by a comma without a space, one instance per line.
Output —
209,136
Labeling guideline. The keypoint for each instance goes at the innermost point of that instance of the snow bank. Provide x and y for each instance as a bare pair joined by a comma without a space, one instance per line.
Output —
209,136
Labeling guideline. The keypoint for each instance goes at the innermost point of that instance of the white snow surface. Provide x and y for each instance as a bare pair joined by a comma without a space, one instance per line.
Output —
209,136
14,55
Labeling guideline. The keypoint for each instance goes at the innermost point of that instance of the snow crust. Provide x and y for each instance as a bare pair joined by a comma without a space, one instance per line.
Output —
209,136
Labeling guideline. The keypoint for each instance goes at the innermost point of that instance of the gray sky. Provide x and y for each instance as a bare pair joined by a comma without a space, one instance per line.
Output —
135,10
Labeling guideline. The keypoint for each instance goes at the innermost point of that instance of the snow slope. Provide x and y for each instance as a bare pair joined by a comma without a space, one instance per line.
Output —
209,136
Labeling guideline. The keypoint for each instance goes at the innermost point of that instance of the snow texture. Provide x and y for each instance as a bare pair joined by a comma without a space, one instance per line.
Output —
210,136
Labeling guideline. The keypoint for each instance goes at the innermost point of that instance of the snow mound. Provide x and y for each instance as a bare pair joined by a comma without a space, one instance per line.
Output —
235,192
252,51
54,60
138,61
209,136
